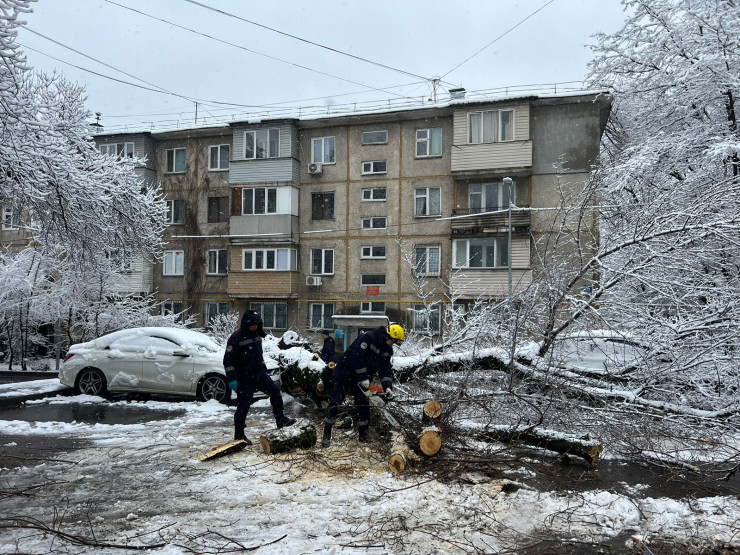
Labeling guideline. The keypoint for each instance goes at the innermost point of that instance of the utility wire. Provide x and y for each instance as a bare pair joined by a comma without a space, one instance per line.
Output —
329,48
466,60
253,51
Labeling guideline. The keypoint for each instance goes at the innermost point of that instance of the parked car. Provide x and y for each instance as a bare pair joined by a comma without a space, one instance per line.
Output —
171,361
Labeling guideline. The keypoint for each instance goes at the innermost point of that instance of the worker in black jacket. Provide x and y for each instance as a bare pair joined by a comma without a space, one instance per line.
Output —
327,351
246,373
368,356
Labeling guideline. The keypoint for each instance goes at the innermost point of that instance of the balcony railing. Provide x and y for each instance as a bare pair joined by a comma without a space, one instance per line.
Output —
467,218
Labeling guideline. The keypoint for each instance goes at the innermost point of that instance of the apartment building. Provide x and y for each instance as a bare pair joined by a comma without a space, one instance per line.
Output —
329,222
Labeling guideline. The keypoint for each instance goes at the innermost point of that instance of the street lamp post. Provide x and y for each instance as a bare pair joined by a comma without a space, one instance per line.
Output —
508,183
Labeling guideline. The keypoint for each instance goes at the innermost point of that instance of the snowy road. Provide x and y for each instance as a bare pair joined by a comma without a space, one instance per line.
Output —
140,484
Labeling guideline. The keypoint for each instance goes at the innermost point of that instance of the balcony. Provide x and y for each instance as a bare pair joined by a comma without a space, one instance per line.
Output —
490,221
474,283
278,225
264,285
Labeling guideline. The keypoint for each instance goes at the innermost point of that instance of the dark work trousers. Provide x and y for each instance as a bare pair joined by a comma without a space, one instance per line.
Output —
245,389
343,386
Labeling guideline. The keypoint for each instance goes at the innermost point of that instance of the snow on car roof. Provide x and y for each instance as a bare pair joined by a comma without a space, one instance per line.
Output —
181,336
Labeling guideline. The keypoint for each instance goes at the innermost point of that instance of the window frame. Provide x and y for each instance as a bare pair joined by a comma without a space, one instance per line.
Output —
220,254
371,169
365,275
174,169
363,142
485,205
498,126
323,195
323,254
209,316
221,211
371,219
11,219
259,308
252,192
270,154
500,250
120,150
369,308
428,270
179,261
164,309
322,142
370,256
171,214
372,190
427,141
292,256
326,322
427,196
219,161
426,312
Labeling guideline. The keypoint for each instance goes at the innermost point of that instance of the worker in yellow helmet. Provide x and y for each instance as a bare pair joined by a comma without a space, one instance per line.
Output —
368,356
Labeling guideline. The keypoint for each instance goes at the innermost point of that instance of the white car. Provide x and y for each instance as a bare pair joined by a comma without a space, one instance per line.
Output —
172,361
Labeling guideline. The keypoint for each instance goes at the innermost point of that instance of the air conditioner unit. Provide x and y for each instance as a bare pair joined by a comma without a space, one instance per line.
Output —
314,169
313,281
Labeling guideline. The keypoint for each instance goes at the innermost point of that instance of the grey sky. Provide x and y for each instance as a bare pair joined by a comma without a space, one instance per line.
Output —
543,42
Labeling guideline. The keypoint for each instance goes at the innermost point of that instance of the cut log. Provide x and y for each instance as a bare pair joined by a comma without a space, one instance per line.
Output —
430,442
585,448
432,411
224,449
401,455
288,439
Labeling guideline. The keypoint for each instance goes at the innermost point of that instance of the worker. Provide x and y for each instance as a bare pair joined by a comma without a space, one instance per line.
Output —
327,351
246,373
369,355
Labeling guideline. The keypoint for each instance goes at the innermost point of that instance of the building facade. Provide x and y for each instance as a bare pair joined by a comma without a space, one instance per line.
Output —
334,222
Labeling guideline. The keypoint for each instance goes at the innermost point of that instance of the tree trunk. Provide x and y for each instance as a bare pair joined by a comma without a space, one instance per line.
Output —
432,411
585,448
224,449
430,442
288,439
401,455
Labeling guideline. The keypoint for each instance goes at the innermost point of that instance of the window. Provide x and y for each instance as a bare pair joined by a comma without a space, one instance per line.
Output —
11,220
491,126
120,261
321,314
120,150
489,197
176,160
259,200
322,150
322,262
429,142
219,157
480,253
175,211
274,315
426,260
369,306
262,143
374,137
427,319
428,201
374,223
217,262
322,206
372,279
374,194
173,307
375,166
269,259
372,251
218,209
213,309
173,263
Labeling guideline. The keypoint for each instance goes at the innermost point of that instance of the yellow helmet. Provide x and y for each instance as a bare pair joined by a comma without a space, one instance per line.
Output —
395,332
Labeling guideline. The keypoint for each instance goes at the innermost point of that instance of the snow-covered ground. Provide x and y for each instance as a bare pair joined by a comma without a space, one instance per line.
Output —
141,484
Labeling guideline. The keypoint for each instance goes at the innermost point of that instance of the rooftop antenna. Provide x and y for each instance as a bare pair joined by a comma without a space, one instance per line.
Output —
97,123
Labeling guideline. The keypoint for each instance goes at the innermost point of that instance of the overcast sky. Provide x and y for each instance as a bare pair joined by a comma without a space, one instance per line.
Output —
404,44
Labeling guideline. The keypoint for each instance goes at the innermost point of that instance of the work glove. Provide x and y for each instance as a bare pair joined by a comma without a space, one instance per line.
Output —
364,385
232,385
389,393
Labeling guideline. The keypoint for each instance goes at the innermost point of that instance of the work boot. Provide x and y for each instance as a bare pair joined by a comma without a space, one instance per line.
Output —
364,434
326,439
239,434
284,421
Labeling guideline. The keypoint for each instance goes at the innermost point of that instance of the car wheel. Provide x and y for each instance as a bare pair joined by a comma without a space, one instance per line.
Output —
213,387
90,381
